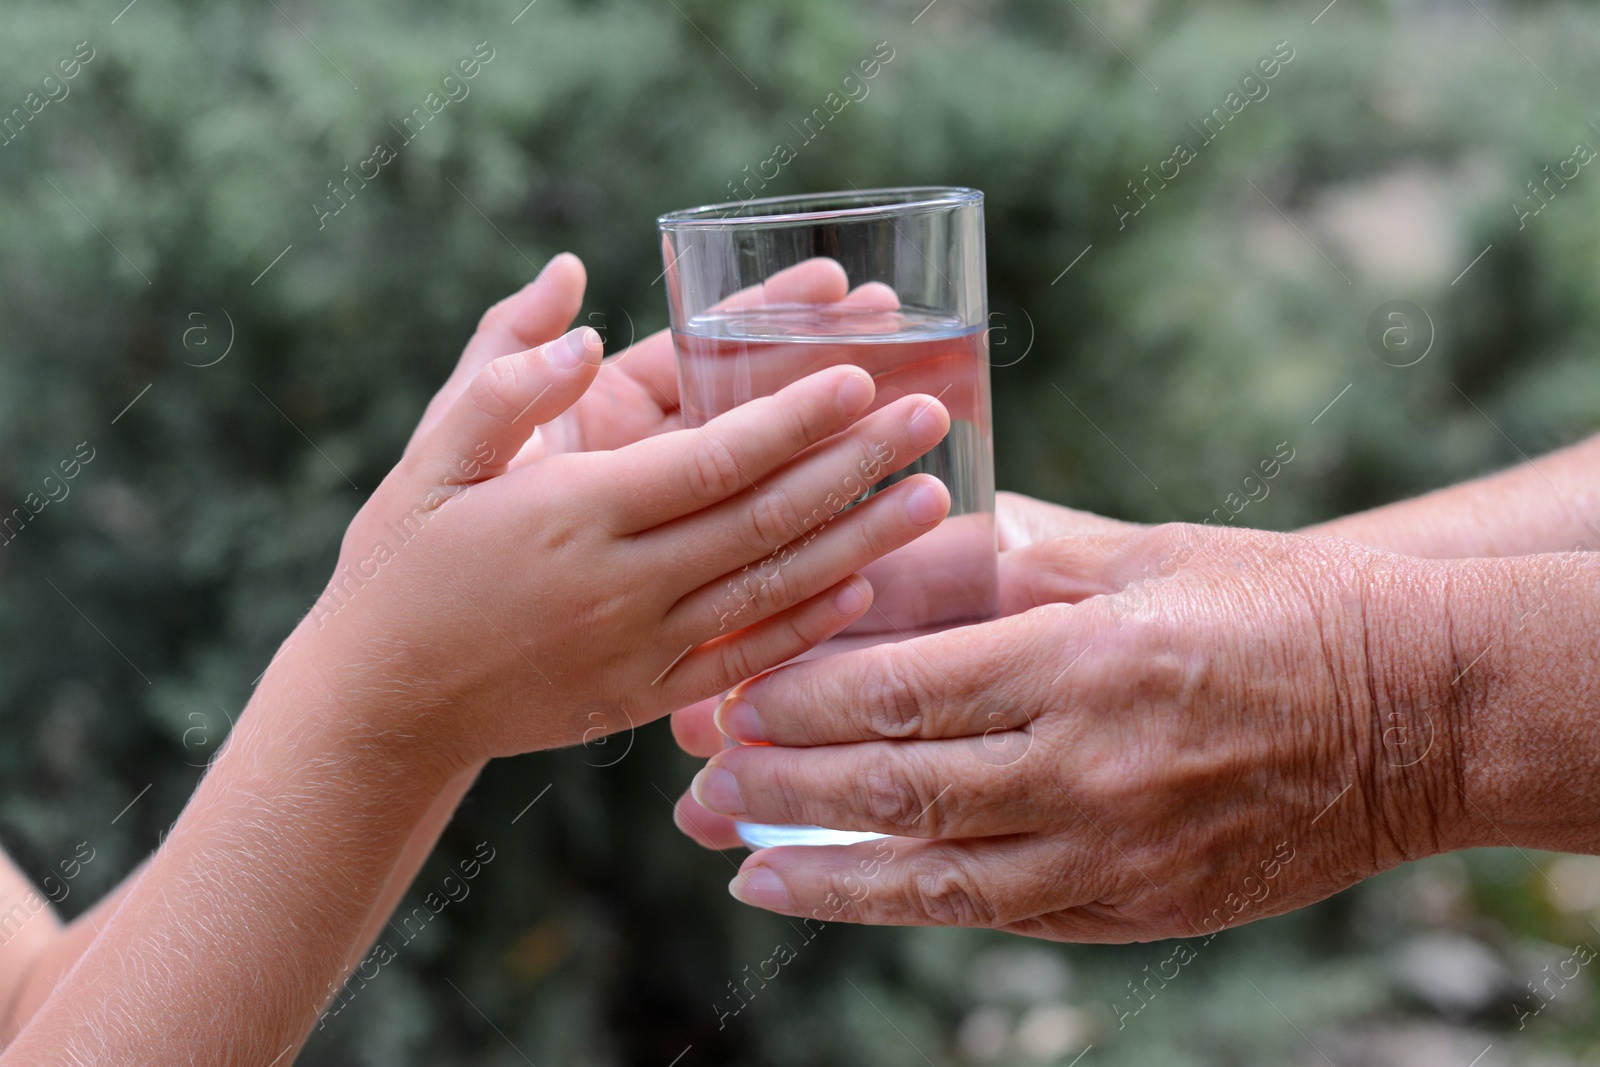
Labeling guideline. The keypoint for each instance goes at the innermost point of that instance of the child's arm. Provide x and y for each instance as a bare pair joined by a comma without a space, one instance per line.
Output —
31,967
36,949
33,960
227,943
28,929
512,606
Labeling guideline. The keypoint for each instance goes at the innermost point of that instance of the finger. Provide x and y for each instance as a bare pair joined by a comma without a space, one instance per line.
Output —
1063,570
813,281
1067,570
531,316
676,474
932,789
819,280
800,570
651,364
696,731
503,405
1022,521
534,315
715,665
706,828
873,296
966,682
947,576
987,883
803,495
634,396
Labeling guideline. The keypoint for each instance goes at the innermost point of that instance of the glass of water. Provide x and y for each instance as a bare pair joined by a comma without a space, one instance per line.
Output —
762,293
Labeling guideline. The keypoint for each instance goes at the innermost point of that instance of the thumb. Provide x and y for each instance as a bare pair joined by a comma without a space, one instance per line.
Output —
695,728
505,402
1064,570
1073,568
533,315
1022,521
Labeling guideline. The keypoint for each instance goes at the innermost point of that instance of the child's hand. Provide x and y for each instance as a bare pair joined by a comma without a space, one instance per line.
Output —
538,312
506,609
636,393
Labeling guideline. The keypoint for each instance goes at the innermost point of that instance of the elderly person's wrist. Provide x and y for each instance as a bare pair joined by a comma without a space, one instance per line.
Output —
1409,704
1528,700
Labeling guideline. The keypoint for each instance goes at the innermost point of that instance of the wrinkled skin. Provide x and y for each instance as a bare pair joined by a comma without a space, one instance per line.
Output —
1182,729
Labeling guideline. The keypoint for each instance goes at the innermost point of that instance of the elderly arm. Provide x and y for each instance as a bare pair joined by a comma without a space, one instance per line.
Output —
1241,724
1551,504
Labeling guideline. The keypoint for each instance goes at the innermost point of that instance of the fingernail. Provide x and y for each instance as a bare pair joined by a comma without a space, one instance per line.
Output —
852,599
925,505
927,424
760,887
739,720
855,393
717,790
567,353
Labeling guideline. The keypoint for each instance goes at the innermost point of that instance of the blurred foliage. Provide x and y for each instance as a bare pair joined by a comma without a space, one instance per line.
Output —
150,202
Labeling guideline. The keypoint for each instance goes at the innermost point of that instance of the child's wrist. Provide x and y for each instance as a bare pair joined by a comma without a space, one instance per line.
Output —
350,703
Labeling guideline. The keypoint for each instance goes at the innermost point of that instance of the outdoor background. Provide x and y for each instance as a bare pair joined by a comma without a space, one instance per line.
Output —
164,208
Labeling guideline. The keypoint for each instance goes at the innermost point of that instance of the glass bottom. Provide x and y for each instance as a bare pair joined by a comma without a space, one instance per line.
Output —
757,836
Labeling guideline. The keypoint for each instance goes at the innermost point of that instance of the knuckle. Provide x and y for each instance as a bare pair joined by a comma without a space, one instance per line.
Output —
892,702
513,315
1168,535
803,630
1133,613
806,425
787,799
496,316
845,898
741,660
948,893
889,795
789,635
872,460
874,533
763,590
775,590
774,519
498,386
712,472
1164,550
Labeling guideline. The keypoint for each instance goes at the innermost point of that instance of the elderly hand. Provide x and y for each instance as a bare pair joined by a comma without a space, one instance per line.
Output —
1026,579
1225,725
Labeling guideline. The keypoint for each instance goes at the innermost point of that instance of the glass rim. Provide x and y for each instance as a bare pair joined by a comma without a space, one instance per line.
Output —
815,207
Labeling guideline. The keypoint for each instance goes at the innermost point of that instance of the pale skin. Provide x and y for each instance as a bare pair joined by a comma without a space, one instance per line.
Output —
534,595
1168,712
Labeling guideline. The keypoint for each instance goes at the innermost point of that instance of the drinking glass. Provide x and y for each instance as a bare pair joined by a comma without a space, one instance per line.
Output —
761,293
